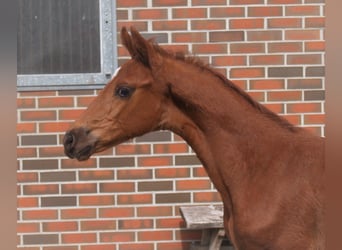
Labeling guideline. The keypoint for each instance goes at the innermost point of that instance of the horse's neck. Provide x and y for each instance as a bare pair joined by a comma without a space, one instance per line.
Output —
225,131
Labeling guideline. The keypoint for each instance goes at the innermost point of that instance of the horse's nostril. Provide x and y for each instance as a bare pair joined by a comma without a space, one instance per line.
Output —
69,139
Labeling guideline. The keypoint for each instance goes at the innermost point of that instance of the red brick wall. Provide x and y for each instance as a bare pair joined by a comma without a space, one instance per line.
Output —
128,197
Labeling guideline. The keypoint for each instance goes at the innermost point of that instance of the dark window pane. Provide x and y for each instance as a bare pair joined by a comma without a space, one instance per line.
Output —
58,37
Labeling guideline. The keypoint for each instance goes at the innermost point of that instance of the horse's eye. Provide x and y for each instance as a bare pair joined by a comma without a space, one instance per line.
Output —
124,91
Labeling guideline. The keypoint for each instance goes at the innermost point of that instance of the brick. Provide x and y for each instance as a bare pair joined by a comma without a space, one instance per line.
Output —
315,22
74,164
304,59
71,238
134,246
26,127
284,1
193,235
99,247
284,23
304,10
28,140
316,46
276,108
170,223
134,199
281,47
205,2
155,235
187,160
27,202
79,188
205,25
71,114
174,245
61,248
267,11
193,184
117,162
173,148
28,227
151,161
27,177
227,12
199,172
81,92
169,3
315,71
284,96
134,174
267,84
210,196
117,212
314,95
172,198
40,214
229,60
40,239
189,13
154,211
307,83
52,127
149,14
63,226
38,115
37,93
243,2
268,35
314,119
57,176
304,108
139,25
40,164
135,224
88,175
155,186
62,201
189,37
117,187
247,48
169,25
121,14
250,23
247,72
172,173
41,189
55,102
132,149
78,213
293,119
285,71
24,103
302,35
132,3
98,225
214,48
51,151
117,237
96,200
226,36
266,60
84,101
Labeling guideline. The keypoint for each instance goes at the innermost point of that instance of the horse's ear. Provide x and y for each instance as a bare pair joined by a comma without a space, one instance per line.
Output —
140,49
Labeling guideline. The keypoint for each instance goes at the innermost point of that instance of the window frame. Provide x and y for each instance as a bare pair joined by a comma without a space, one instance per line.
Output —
108,42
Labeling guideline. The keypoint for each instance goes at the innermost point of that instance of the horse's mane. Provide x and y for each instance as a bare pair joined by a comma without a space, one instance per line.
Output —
190,59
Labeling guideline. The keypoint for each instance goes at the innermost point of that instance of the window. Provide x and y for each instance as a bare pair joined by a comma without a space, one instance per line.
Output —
65,44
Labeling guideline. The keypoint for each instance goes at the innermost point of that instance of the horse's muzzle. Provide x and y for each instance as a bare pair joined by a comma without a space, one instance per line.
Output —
77,144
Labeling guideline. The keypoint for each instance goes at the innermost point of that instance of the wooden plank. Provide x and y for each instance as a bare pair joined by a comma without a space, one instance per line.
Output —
199,217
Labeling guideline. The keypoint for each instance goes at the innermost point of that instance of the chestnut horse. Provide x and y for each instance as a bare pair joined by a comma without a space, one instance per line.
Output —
268,172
